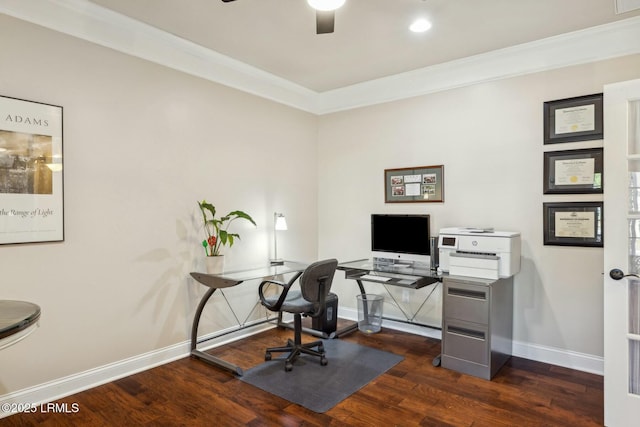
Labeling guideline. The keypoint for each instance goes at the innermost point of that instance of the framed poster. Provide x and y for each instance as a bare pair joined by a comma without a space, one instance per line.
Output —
573,224
573,171
422,184
573,119
31,184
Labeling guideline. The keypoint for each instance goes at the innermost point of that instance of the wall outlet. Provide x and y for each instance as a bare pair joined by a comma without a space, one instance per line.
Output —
405,295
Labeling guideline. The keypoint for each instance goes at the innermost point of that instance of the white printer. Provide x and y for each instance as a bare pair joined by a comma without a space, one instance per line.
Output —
478,252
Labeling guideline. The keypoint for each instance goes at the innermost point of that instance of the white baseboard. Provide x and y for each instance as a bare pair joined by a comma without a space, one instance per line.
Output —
72,384
539,353
66,386
559,357
352,314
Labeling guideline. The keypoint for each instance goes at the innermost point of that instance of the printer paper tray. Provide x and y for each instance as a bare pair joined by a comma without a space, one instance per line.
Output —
473,265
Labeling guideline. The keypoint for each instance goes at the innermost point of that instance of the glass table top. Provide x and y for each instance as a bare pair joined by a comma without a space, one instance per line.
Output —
235,277
374,265
16,316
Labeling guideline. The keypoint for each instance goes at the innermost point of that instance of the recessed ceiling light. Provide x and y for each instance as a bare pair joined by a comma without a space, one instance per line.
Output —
420,25
326,4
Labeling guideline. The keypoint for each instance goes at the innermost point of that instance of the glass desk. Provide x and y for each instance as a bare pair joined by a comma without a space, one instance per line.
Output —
227,280
404,275
389,274
17,320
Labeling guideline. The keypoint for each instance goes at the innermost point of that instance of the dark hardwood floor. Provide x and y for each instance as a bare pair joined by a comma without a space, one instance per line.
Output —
189,392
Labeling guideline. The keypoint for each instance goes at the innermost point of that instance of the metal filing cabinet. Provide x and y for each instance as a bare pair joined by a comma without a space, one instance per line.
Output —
477,324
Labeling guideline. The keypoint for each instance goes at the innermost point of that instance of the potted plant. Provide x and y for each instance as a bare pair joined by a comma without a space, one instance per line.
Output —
217,234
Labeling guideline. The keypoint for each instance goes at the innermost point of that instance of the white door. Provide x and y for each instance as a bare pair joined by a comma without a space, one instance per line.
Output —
622,254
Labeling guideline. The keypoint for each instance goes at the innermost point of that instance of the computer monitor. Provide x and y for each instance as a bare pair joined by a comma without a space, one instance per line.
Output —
402,238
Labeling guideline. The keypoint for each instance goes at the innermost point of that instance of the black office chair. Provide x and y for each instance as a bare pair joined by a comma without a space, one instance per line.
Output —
315,284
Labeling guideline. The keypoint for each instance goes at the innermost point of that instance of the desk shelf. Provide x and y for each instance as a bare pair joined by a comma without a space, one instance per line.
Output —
411,277
416,282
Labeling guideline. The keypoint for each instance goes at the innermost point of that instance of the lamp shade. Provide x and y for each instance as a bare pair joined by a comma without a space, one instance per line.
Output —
280,222
326,4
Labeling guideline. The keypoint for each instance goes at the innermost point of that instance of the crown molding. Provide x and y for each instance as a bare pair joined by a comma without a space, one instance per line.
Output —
96,24
598,43
88,21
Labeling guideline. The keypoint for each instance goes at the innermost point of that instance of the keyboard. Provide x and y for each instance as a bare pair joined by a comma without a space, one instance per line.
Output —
383,276
374,278
393,275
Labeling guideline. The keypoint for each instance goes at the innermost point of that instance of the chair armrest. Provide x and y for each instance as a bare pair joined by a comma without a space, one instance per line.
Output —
278,304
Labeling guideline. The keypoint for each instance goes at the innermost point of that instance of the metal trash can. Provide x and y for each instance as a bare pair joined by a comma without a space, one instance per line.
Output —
370,313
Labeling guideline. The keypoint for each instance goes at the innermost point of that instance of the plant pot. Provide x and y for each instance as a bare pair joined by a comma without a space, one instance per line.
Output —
214,264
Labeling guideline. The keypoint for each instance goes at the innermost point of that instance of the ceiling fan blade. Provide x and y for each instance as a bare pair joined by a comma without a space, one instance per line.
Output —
325,21
227,1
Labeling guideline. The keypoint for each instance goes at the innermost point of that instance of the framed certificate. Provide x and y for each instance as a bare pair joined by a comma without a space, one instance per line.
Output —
415,184
573,119
573,224
573,171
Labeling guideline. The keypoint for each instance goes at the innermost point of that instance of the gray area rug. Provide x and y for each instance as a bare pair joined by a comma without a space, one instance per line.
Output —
320,388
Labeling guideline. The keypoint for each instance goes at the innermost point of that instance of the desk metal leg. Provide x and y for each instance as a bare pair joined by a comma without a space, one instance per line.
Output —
365,306
344,331
361,286
436,360
212,360
320,334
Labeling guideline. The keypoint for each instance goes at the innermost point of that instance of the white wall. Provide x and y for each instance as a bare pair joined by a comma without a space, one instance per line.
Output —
489,138
142,143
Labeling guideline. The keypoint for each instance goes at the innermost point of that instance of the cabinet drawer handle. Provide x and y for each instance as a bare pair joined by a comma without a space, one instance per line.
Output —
457,292
469,333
